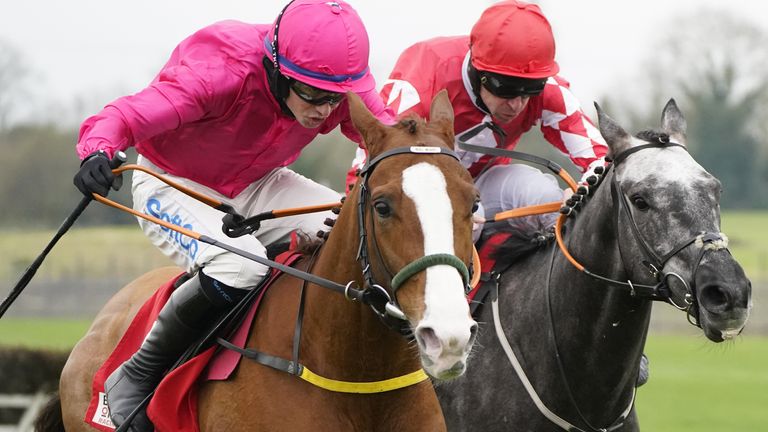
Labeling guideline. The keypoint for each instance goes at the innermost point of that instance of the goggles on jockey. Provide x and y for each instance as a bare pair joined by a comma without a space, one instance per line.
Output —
510,87
314,95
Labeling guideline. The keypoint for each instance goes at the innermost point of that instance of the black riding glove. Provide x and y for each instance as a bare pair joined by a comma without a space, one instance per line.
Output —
95,175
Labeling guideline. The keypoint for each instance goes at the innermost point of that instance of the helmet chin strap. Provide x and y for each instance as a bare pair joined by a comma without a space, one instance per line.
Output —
474,81
278,85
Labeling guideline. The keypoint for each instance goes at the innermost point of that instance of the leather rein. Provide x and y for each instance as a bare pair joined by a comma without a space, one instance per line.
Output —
383,302
652,261
235,225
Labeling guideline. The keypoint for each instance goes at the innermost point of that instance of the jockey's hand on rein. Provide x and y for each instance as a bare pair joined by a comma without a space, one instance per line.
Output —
95,175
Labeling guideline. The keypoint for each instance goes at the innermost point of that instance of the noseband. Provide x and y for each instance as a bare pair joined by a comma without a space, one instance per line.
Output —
382,301
659,292
654,262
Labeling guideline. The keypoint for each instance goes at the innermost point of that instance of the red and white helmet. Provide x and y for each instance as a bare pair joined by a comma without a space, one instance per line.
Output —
324,44
514,38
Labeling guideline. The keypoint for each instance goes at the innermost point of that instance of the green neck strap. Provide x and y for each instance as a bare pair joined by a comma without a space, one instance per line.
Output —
428,261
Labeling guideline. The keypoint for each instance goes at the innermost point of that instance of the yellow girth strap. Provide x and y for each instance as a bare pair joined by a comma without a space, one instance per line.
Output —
363,387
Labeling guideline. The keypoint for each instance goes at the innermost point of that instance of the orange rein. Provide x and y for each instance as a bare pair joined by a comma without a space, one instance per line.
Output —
198,196
550,207
561,243
542,209
218,204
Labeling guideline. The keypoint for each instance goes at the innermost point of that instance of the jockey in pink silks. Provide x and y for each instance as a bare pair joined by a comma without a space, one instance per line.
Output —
233,106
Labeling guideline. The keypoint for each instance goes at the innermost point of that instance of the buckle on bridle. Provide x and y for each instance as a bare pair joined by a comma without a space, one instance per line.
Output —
653,270
687,299
346,291
382,297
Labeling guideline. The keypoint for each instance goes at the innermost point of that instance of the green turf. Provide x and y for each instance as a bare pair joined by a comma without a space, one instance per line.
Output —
100,251
748,241
695,385
93,252
41,332
698,386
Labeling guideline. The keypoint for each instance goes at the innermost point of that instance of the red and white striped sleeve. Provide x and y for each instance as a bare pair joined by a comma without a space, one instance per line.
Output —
566,126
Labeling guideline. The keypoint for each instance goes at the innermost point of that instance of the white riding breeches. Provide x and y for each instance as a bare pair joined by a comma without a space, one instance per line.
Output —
507,187
281,188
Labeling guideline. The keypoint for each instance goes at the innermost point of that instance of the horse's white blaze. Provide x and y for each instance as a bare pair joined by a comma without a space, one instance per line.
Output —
447,312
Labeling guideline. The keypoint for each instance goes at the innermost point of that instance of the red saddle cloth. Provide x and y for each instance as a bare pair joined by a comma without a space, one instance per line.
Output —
173,408
487,260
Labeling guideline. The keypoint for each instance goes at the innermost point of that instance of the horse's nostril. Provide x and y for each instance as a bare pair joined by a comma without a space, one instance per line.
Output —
715,298
426,337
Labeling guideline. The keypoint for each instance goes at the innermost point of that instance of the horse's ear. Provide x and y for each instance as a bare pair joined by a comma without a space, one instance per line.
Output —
617,138
441,115
673,122
369,126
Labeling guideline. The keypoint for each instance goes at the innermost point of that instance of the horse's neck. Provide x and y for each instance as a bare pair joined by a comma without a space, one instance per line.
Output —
360,342
602,340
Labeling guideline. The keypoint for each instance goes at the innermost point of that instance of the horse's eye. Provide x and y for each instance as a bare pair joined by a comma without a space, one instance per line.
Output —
639,202
382,209
475,206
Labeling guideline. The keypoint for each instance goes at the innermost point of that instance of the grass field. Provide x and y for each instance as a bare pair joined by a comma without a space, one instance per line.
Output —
748,237
94,252
694,385
698,386
101,251
57,334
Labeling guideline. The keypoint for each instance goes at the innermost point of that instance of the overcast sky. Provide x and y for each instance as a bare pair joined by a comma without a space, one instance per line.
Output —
96,50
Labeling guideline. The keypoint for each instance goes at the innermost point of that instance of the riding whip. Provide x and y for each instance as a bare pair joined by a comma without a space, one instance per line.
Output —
116,161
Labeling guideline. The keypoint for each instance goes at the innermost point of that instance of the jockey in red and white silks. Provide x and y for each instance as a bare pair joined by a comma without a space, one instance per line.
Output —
448,63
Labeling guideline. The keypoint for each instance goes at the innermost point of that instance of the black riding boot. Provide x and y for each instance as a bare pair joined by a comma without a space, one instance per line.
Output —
191,309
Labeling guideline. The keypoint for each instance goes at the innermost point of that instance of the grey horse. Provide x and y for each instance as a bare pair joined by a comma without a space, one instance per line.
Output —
561,340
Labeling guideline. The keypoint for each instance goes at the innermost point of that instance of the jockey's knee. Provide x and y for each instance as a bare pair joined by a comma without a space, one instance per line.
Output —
235,271
515,186
219,293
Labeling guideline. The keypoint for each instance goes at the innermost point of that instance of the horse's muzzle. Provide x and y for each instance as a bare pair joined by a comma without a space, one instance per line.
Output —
724,296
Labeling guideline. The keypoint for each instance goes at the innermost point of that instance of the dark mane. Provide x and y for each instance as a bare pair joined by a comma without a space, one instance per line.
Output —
410,123
306,244
652,135
520,245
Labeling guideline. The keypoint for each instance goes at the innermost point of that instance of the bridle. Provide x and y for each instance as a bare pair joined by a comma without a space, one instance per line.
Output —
383,301
653,261
659,292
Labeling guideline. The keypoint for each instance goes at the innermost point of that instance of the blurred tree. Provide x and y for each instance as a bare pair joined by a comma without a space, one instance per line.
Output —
714,65
36,173
12,72
327,159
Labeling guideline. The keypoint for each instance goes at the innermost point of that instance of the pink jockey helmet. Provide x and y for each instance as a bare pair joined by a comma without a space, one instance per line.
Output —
323,44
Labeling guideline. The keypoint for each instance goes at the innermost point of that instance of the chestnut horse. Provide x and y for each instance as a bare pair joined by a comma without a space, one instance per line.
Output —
416,205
